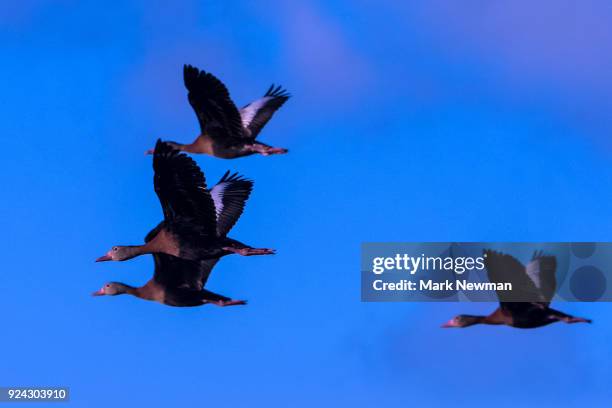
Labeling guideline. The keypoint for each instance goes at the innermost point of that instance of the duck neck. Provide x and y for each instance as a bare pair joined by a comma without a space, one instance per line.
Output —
139,292
130,290
492,319
472,320
132,251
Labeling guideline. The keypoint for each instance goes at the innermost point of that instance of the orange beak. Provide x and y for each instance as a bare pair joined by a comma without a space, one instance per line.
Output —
98,292
105,257
451,323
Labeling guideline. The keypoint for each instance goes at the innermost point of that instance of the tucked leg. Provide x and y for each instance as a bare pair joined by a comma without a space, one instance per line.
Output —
220,300
266,150
568,318
573,319
248,251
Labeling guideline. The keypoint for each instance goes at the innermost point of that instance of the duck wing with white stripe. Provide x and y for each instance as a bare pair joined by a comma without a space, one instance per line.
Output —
256,114
230,195
541,270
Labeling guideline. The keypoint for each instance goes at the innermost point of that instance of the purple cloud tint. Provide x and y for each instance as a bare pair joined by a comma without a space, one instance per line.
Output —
315,59
316,50
556,52
553,40
21,14
154,83
16,13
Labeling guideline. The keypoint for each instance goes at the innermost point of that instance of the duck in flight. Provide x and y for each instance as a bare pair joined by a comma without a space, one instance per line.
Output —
535,282
196,220
225,131
175,282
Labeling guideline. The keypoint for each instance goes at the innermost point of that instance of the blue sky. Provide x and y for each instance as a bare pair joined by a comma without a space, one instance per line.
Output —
427,121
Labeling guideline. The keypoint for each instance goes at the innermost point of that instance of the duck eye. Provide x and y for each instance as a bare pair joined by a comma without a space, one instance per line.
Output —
115,249
108,285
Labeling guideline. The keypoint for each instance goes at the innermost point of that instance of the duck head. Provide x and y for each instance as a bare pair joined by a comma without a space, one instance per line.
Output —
462,321
112,289
119,253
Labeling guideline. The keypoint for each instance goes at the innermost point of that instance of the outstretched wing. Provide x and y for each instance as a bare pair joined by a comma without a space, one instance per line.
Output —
172,272
181,187
230,195
256,114
178,273
218,116
502,268
541,270
205,268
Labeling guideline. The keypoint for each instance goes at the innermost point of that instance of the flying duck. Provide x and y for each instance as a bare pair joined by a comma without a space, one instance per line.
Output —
535,281
196,220
225,131
176,282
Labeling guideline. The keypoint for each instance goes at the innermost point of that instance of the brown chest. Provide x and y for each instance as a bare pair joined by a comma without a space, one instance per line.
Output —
152,291
203,144
164,242
499,316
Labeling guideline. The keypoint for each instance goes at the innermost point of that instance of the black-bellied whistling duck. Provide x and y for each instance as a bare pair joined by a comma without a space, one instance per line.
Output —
196,220
225,131
536,281
176,282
